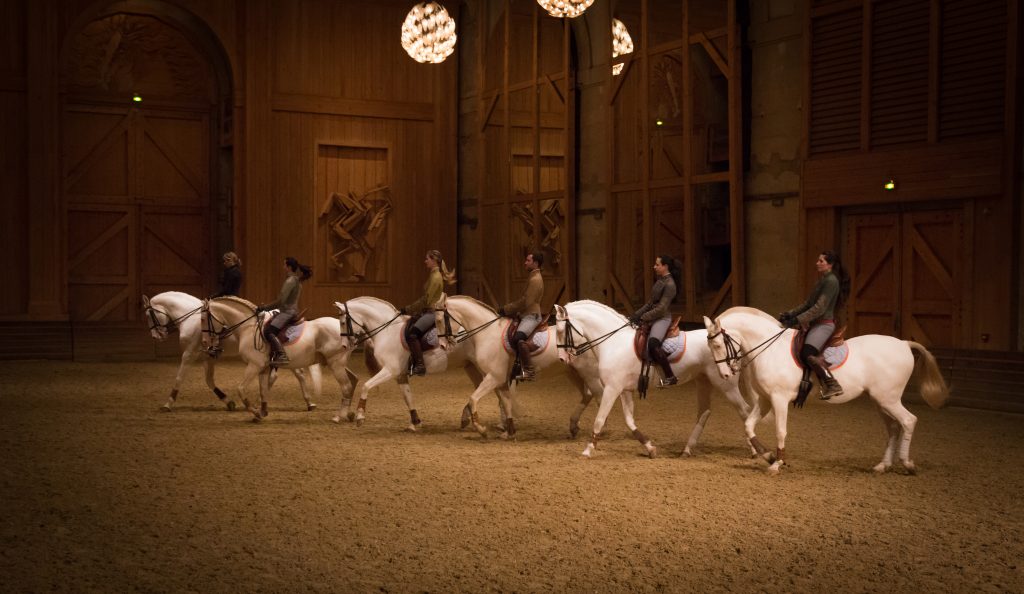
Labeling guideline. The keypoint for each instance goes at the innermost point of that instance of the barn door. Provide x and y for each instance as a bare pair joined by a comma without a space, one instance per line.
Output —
136,185
907,270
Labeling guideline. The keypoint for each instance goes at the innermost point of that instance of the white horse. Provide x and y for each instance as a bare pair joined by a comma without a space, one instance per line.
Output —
378,326
320,342
480,326
750,340
172,310
583,322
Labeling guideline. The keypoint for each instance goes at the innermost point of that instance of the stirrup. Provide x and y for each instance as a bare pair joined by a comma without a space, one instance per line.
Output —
668,381
279,359
831,390
419,369
527,375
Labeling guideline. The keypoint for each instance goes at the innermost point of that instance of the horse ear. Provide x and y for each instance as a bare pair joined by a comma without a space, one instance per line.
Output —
145,301
708,323
341,308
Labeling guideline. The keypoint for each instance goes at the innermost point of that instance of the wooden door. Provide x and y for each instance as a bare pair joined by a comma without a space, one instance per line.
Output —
136,185
907,271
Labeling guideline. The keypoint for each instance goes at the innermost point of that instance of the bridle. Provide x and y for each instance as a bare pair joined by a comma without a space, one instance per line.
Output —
172,323
570,345
734,354
225,330
359,337
464,334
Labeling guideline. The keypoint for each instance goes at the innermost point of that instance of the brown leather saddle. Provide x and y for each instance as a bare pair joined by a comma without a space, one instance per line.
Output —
514,325
644,332
835,341
283,334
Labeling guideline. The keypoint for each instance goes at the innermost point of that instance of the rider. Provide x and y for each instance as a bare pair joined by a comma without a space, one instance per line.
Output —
422,310
231,280
817,317
528,308
656,313
288,304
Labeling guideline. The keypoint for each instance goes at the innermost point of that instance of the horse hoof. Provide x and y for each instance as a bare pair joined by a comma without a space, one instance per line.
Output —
336,418
165,408
310,407
768,457
573,432
231,406
911,467
351,416
257,418
686,454
359,422
881,468
653,452
412,428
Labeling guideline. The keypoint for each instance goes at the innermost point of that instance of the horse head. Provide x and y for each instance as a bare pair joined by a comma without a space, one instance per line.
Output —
222,317
160,322
724,348
564,339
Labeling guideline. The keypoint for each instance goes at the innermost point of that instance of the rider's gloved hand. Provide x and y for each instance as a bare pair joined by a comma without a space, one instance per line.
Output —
501,312
403,311
634,320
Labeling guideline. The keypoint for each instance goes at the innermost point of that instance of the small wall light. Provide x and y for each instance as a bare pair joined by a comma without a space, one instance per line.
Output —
137,98
890,185
659,122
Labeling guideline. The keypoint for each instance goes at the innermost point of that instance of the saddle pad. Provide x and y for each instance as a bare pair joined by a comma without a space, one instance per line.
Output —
835,356
291,334
428,341
674,346
539,339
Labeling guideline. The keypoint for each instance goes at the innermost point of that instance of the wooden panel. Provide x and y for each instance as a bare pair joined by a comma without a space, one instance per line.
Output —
932,277
13,24
985,380
951,170
899,72
13,225
347,50
835,82
35,340
872,256
973,67
175,250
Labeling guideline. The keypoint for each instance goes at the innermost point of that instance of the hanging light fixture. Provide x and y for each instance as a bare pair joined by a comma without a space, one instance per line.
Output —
428,33
622,44
565,8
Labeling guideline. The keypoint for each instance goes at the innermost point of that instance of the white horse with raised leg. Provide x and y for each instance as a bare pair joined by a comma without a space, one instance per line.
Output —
175,311
582,322
319,341
749,340
378,326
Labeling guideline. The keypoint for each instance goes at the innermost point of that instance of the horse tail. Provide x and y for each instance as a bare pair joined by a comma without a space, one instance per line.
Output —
371,362
933,387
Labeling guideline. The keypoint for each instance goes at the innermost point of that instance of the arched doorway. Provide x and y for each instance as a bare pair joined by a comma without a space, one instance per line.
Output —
146,157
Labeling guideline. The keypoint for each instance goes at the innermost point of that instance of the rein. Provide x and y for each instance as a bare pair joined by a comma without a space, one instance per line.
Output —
226,330
367,333
464,334
570,342
172,323
734,351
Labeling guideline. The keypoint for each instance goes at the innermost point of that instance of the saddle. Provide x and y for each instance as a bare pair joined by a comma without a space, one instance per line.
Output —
292,331
531,345
834,342
644,332
428,341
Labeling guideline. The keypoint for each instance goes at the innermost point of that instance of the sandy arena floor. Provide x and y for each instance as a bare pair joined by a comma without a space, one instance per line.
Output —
102,492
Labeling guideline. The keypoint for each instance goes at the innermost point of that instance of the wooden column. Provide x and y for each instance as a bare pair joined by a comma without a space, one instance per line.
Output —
255,202
47,254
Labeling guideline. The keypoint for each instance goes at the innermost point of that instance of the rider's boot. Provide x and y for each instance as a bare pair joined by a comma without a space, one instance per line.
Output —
661,358
529,372
277,354
416,350
830,388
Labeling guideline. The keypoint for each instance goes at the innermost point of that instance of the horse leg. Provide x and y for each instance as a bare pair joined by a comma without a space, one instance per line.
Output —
381,377
264,378
735,397
703,412
586,395
185,358
608,397
300,376
780,405
476,377
346,381
414,419
626,400
505,405
251,371
907,422
488,384
756,412
892,429
208,363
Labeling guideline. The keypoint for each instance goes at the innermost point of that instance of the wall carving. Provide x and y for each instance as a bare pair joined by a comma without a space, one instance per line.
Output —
356,224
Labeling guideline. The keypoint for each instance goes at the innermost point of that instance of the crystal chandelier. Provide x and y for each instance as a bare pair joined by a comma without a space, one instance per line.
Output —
565,8
428,33
622,44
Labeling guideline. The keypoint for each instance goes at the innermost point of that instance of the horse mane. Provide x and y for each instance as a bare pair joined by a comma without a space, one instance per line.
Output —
607,308
376,300
173,294
743,309
236,299
476,301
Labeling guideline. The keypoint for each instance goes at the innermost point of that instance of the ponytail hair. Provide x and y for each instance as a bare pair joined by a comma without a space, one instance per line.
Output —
304,271
447,275
832,257
675,268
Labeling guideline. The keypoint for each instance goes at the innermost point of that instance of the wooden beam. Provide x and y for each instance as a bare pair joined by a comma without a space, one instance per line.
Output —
393,110
835,7
935,29
487,112
865,79
627,64
715,55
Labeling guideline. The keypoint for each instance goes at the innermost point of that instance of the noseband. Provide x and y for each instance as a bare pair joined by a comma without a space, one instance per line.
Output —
570,342
172,323
366,334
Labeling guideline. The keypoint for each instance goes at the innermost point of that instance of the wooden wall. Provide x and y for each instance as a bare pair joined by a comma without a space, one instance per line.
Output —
295,90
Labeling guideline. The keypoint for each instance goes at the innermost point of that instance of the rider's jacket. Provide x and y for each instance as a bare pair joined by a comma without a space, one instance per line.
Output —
432,290
529,303
822,302
662,294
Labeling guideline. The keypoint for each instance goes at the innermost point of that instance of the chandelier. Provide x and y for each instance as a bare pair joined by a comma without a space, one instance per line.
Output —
622,44
428,33
565,8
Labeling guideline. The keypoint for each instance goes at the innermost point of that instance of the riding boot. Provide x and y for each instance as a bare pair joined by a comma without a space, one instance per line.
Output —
661,358
529,372
829,386
416,350
277,354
